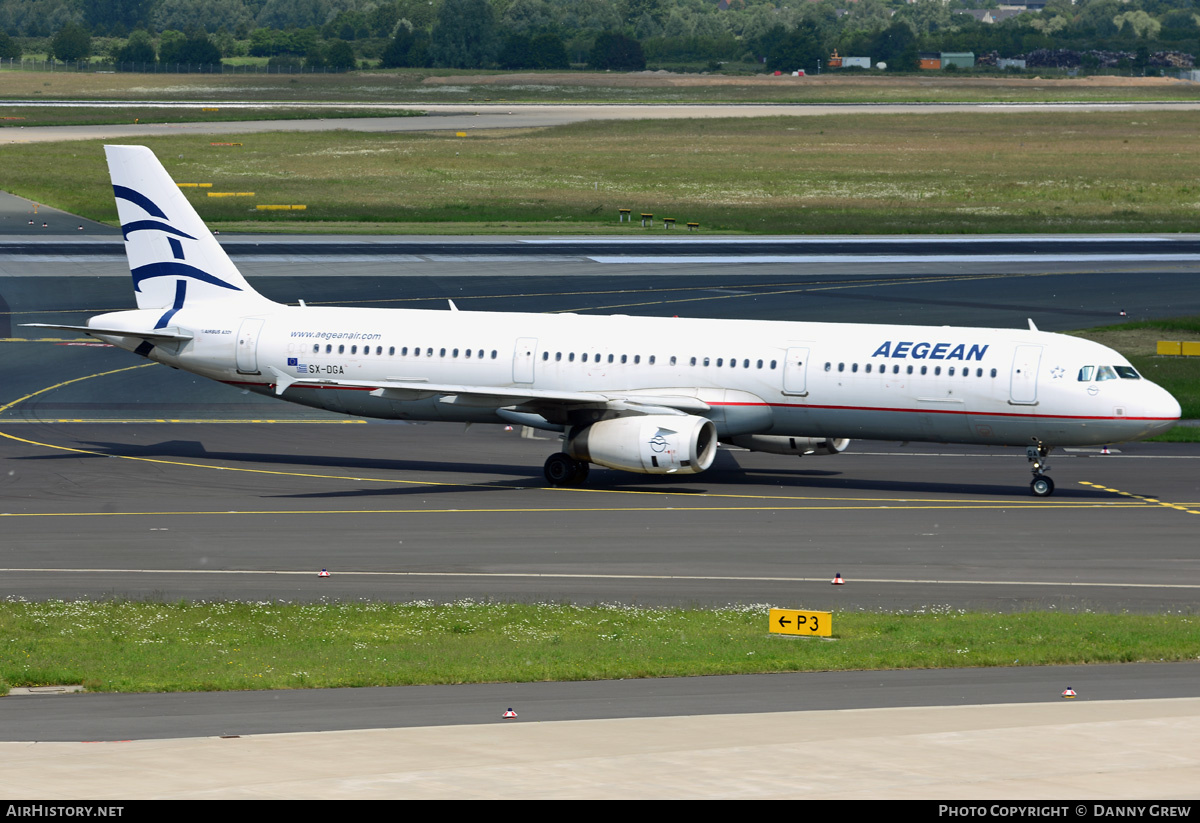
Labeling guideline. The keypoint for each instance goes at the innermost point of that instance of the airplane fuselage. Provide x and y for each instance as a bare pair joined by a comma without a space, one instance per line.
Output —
945,384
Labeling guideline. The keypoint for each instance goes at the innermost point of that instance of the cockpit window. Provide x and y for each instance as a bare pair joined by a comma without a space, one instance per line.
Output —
1127,373
1105,373
1085,374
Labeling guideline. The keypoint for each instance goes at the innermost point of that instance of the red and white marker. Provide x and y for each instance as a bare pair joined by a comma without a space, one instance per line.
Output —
1068,692
837,580
324,573
510,713
1104,450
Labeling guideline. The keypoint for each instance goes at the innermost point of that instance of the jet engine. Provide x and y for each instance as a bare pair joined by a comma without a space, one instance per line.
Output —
647,444
790,445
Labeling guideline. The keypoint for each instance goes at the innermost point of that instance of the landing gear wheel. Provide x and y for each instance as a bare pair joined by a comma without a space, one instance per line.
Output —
1042,486
561,470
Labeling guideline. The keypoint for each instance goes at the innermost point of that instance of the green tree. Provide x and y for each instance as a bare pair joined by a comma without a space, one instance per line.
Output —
798,50
897,46
613,50
116,15
340,55
139,48
464,34
71,43
9,48
549,52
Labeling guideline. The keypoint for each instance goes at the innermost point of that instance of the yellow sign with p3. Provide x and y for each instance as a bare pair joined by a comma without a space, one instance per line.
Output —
793,621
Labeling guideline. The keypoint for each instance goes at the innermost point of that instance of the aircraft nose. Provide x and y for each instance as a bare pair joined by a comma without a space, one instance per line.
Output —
1163,408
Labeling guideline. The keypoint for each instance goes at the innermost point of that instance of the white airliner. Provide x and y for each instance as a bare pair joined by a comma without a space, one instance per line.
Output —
640,394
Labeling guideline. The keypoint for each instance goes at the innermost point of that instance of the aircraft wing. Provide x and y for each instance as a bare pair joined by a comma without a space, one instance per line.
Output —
509,396
154,334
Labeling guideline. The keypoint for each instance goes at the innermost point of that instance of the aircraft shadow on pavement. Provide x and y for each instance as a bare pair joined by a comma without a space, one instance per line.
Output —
195,450
725,471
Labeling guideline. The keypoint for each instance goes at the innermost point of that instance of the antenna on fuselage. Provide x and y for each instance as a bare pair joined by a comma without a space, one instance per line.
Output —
1031,326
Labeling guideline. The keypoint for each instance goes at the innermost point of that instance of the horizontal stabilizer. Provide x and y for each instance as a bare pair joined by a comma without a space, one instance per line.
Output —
155,334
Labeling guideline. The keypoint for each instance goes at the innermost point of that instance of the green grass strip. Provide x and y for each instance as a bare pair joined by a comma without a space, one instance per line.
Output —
165,647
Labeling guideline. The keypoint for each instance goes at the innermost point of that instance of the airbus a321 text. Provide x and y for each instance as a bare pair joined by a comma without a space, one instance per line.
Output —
640,394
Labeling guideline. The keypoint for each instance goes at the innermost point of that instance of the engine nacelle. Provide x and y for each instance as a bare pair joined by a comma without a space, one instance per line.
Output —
790,445
647,444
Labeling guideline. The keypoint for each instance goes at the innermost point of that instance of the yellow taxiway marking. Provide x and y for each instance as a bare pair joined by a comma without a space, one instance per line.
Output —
299,421
1152,501
878,503
586,576
538,509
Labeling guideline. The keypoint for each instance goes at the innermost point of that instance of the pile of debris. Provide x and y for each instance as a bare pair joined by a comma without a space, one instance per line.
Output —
1171,59
1070,59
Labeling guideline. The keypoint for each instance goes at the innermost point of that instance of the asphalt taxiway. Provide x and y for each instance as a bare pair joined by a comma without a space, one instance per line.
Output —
137,481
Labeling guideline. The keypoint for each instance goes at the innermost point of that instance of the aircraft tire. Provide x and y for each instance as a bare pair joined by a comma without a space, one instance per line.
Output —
1042,486
561,470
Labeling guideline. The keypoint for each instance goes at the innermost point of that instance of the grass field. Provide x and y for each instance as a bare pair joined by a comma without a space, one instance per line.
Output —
453,86
862,174
150,647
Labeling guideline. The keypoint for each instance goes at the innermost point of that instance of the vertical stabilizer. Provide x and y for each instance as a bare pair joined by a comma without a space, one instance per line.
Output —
174,258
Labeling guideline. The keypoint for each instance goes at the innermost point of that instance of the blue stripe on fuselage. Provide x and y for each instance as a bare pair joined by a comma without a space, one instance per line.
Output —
180,294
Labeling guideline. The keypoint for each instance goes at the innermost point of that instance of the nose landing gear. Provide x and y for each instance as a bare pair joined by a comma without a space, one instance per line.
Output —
1042,485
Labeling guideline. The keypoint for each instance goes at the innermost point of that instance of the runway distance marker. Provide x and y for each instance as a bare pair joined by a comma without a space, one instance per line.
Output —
802,623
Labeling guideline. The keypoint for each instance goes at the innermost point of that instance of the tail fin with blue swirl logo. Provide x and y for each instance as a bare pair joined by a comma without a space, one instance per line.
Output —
174,258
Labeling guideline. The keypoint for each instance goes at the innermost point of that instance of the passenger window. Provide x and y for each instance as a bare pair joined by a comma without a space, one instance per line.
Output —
1085,374
868,368
720,361
993,372
637,358
558,355
733,362
571,356
937,370
909,370
341,349
924,369
854,368
895,369
841,366
828,366
772,364
316,347
328,348
610,358
672,360
455,353
760,364
545,355
706,361
693,361
1105,373
950,372
651,360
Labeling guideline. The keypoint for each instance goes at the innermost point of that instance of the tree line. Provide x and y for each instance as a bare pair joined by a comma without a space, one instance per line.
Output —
605,34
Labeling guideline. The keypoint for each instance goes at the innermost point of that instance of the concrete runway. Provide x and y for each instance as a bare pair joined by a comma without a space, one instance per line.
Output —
466,116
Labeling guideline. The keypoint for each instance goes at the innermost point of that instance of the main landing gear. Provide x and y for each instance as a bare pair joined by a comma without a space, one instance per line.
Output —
563,470
1042,485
